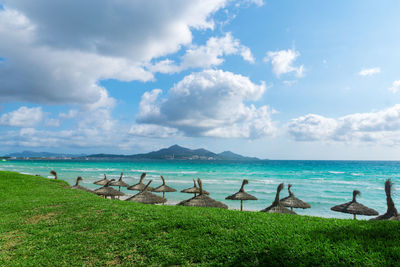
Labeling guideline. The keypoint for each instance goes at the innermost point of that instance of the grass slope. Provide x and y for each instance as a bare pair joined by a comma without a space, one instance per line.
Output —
43,222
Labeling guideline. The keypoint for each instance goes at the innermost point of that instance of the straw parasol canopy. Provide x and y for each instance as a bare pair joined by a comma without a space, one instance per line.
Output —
293,202
353,207
140,186
242,195
52,172
106,191
391,212
194,190
276,206
146,197
202,200
77,186
103,181
164,188
120,183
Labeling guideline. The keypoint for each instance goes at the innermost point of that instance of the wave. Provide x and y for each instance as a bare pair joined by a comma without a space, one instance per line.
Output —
357,174
335,172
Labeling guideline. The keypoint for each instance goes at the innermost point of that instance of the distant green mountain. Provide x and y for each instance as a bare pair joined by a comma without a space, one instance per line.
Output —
174,152
178,153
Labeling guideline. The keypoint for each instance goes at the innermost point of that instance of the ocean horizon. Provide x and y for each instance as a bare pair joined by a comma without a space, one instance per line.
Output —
321,183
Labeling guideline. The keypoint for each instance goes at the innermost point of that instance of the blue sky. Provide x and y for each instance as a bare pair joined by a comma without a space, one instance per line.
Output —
272,79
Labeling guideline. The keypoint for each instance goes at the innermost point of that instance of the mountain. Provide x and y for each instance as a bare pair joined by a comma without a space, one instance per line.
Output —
32,154
176,152
228,155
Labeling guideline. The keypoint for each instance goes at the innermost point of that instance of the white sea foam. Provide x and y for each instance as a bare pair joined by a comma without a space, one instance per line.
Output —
335,172
357,174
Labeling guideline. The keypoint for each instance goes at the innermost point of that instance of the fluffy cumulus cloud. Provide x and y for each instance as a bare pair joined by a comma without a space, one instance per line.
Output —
369,72
282,62
381,127
208,103
62,49
22,117
395,87
210,54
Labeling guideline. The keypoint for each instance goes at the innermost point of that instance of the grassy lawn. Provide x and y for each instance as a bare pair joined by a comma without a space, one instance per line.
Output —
44,222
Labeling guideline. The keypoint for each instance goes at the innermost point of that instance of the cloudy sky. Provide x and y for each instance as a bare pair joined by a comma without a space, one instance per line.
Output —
274,79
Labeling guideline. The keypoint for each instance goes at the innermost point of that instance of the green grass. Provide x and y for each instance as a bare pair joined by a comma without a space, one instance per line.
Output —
43,222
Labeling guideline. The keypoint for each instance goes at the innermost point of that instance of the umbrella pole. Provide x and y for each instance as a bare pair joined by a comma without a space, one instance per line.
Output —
195,194
241,205
291,208
119,189
354,216
163,196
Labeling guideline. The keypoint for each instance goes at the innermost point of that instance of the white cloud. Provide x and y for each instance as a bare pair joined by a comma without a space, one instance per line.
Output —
52,122
373,127
282,62
369,72
210,103
395,87
210,54
63,50
22,117
153,131
71,114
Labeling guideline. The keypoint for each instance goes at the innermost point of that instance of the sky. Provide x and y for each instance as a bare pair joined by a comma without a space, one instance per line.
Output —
273,79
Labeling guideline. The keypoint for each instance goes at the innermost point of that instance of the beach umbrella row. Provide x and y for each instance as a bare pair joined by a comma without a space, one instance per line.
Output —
202,200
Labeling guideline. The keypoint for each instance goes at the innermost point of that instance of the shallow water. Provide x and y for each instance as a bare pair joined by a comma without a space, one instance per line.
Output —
322,184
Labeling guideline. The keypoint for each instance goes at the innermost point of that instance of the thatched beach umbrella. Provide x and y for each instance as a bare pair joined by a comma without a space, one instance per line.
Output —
77,186
140,186
242,195
202,200
106,191
293,202
353,207
391,212
194,190
146,197
52,172
120,183
103,181
164,188
276,206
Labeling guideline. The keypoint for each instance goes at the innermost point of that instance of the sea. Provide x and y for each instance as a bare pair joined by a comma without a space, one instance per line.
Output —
322,184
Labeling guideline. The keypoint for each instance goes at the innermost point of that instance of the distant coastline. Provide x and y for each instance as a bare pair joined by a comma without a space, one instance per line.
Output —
174,152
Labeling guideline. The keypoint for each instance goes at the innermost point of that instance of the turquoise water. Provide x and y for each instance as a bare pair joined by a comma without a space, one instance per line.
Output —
322,184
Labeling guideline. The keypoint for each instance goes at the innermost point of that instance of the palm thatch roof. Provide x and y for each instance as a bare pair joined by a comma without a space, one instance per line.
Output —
194,190
140,186
103,181
120,183
202,200
241,194
293,202
163,187
77,186
54,173
146,197
353,207
106,190
276,206
391,212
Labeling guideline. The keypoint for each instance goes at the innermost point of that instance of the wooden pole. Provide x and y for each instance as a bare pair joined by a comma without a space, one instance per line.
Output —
354,216
241,205
163,196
